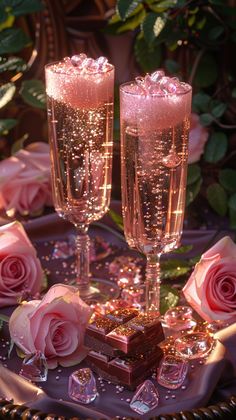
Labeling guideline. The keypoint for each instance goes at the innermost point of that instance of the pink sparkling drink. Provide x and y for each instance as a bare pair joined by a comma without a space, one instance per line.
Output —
154,115
80,117
80,120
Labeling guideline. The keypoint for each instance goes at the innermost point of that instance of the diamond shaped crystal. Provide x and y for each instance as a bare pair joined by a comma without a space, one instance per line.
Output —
62,250
34,367
145,398
179,318
82,386
172,372
194,345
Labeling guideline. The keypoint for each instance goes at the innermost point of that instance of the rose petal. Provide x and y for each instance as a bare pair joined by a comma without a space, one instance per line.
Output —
74,358
19,326
225,247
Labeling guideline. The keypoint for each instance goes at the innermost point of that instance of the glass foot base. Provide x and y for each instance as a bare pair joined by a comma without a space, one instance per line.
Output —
99,291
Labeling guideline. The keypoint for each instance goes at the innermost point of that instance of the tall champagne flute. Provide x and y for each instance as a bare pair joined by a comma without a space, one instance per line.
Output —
154,114
80,119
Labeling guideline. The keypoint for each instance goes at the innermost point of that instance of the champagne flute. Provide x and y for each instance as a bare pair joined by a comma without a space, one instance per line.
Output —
154,113
80,119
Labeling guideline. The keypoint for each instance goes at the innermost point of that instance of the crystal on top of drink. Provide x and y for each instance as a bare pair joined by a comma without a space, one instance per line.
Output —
157,83
80,81
155,101
80,63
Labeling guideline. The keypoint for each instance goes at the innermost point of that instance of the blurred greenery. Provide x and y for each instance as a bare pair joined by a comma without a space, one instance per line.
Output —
195,41
13,68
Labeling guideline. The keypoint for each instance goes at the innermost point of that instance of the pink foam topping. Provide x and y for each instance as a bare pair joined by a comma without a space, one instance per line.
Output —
80,81
155,100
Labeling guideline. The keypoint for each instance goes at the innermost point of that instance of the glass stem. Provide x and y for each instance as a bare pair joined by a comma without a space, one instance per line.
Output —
153,283
82,242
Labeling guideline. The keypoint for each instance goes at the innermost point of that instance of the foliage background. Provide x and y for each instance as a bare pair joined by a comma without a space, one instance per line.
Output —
195,41
15,56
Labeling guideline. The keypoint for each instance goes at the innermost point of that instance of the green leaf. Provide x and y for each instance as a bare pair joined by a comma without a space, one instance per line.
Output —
18,144
201,23
7,92
126,7
194,173
207,71
173,268
215,32
232,211
148,57
4,318
201,102
227,178
169,297
117,218
132,22
217,198
219,110
3,14
152,26
6,125
161,6
23,7
183,249
13,40
206,119
216,147
171,66
191,20
12,64
192,191
33,93
234,93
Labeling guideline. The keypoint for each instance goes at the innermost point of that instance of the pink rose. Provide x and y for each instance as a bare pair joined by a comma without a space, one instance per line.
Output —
54,325
198,136
21,273
25,181
211,289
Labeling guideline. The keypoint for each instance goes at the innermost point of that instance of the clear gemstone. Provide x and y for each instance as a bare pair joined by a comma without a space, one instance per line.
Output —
194,345
134,296
34,367
156,76
145,398
217,325
82,386
172,372
63,250
179,318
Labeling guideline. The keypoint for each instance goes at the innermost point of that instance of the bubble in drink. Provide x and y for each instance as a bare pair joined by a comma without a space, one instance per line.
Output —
154,139
80,116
